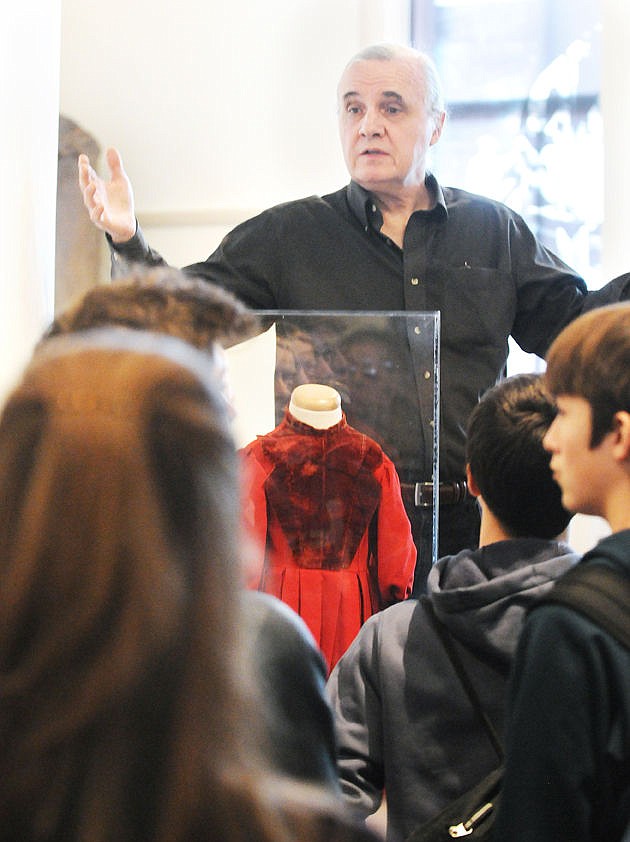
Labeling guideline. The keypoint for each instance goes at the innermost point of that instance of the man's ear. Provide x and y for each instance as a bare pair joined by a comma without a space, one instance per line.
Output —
621,430
437,128
472,485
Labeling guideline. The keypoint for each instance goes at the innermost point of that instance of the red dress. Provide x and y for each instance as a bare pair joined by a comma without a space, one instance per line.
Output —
333,538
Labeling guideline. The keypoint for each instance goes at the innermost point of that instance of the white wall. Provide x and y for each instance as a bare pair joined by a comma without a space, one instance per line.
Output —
29,101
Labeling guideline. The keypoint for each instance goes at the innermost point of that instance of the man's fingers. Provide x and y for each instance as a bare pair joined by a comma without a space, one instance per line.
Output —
96,214
114,162
85,171
89,192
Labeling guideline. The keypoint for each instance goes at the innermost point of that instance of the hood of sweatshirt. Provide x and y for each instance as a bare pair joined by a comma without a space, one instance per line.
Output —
482,595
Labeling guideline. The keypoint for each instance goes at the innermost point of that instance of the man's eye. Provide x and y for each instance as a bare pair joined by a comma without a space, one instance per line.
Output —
393,109
353,109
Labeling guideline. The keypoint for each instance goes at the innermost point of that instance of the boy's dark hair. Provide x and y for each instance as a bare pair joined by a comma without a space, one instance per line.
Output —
591,359
162,300
507,459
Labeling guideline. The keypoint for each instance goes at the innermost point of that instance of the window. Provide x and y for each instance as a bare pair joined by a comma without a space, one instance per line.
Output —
521,80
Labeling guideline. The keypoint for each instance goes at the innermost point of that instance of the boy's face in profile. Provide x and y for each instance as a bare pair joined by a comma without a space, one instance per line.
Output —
582,472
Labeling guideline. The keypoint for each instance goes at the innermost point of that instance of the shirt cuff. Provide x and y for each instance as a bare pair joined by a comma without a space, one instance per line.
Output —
134,249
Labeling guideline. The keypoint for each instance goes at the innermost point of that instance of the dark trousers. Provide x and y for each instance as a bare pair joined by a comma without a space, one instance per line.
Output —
458,529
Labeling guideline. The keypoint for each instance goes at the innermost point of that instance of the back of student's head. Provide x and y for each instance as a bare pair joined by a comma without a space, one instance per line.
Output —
119,575
590,359
163,300
508,461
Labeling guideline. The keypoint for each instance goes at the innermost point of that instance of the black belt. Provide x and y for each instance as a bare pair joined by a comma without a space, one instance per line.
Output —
420,494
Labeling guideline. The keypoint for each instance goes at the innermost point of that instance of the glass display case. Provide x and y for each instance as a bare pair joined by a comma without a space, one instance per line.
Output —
384,366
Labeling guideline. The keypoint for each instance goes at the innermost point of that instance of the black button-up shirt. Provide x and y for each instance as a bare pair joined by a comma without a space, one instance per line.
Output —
472,259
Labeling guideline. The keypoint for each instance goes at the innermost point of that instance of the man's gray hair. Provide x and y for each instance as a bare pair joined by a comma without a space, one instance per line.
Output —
434,99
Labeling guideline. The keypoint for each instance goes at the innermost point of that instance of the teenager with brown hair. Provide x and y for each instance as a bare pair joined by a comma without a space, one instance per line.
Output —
567,770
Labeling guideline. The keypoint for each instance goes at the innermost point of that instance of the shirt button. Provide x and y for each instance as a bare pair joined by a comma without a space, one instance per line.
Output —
373,208
415,282
417,330
427,375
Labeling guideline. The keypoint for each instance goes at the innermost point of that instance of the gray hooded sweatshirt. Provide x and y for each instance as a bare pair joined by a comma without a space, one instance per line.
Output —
404,723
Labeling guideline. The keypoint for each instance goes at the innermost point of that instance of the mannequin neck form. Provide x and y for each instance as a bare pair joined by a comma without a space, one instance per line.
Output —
316,405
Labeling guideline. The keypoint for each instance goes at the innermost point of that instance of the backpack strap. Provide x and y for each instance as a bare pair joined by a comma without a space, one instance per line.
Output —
449,646
598,591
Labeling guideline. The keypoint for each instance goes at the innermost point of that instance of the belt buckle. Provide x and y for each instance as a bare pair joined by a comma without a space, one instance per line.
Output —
419,495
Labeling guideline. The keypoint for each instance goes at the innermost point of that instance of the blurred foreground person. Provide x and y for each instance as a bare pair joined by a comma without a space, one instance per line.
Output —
162,300
125,714
283,657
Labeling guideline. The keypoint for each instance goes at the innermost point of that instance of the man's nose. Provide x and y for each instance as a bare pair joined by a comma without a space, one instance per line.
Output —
371,124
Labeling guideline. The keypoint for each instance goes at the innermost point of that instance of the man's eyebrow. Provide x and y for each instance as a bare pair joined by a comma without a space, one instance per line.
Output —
387,94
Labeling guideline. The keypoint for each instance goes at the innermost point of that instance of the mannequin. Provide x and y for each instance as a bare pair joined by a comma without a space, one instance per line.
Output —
317,405
323,503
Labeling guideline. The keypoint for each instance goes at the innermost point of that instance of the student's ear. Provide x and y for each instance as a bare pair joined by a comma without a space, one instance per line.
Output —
621,429
472,485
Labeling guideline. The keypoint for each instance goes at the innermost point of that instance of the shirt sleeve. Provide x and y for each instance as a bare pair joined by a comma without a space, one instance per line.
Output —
136,250
550,294
354,694
247,262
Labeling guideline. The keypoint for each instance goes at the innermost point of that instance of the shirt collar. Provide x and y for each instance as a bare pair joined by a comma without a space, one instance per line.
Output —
365,209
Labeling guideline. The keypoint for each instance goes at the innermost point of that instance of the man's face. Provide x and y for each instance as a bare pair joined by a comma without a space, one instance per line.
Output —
287,376
581,471
384,126
373,373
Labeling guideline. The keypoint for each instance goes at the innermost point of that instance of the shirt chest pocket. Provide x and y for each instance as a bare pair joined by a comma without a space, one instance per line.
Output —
477,305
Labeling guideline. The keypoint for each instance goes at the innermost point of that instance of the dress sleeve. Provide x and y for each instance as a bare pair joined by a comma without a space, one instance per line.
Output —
395,547
253,513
